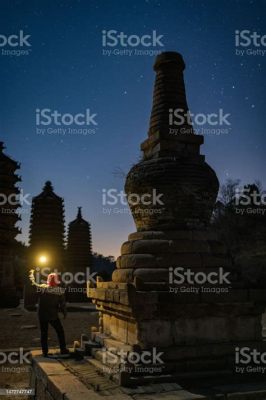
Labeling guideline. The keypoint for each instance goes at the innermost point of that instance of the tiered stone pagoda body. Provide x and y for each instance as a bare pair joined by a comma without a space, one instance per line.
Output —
47,227
8,230
140,309
79,255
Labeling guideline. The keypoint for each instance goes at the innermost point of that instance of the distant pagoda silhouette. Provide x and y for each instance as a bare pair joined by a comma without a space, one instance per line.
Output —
79,254
8,230
47,227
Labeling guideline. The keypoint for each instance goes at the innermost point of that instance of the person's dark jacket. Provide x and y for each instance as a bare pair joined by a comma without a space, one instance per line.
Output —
51,301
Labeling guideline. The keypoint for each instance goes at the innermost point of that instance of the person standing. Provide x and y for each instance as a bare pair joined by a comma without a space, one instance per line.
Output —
51,301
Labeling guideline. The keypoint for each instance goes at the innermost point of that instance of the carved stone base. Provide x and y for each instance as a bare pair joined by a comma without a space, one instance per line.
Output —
148,256
196,329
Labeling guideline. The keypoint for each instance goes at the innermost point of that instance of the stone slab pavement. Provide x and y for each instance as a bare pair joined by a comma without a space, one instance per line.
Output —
69,379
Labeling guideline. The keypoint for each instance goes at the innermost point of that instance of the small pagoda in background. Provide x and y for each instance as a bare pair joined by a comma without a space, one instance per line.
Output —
79,255
8,230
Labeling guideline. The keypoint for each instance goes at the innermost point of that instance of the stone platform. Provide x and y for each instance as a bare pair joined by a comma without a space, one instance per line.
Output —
197,329
80,380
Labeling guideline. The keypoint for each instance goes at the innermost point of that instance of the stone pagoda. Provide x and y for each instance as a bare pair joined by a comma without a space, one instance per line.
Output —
47,228
46,237
144,308
79,255
9,218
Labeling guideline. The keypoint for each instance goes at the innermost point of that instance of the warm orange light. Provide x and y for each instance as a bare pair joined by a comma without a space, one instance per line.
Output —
43,259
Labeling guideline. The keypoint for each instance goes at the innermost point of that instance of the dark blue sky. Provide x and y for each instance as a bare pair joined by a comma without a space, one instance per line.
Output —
65,70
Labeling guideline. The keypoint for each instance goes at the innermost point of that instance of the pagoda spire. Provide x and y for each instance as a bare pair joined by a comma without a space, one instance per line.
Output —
170,130
48,187
169,91
79,215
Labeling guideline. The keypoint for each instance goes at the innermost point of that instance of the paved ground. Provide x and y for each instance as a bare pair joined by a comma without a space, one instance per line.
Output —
19,328
79,380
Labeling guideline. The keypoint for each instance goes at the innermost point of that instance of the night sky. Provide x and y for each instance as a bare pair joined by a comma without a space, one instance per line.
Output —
65,70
